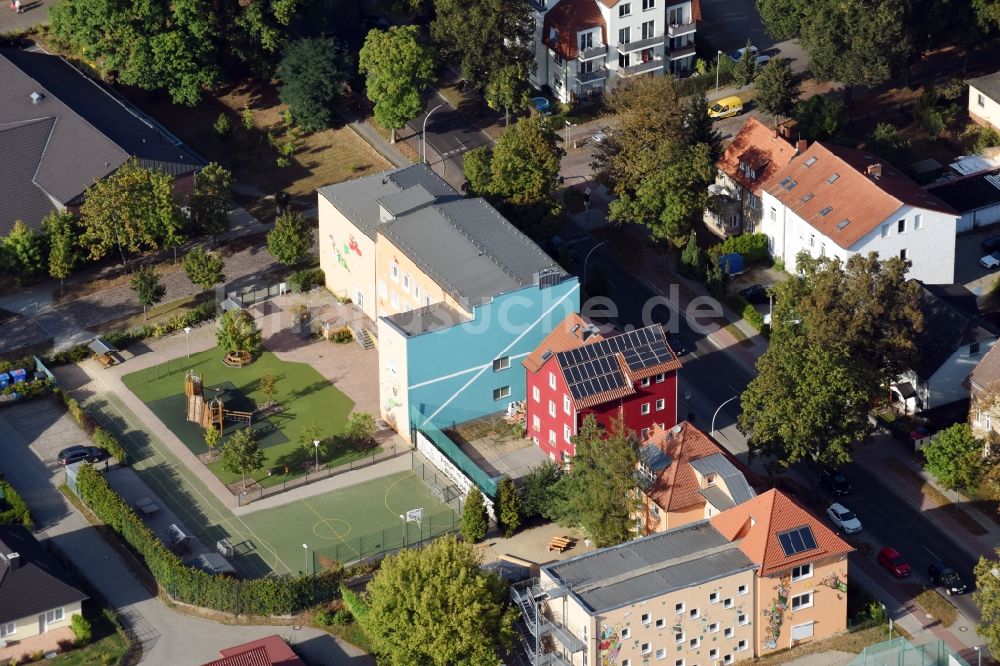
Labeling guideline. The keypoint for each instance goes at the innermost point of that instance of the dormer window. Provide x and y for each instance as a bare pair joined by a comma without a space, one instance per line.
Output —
553,35
710,479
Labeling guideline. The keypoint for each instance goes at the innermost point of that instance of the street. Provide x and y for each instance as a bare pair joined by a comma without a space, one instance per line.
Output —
449,135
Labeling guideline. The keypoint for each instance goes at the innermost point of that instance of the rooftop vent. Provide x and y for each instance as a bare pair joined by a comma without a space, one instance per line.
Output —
36,97
874,170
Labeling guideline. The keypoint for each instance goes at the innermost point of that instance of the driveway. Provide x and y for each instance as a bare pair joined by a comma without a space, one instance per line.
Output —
726,25
968,270
168,637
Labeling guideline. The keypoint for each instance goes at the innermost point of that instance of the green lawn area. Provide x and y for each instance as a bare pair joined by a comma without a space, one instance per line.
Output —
107,647
308,400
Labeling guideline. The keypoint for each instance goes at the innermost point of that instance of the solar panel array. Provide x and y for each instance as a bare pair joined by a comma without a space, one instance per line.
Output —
797,541
592,369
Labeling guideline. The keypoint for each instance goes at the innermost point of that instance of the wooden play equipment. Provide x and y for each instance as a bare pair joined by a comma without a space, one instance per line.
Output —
208,413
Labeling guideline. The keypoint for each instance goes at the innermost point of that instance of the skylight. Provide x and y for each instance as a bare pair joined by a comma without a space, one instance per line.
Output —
843,223
811,161
833,178
797,541
826,211
789,184
807,197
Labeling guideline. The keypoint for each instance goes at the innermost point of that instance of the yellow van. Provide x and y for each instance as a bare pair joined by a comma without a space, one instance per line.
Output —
726,107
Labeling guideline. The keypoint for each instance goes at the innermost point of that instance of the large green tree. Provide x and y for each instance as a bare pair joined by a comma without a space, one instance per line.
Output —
210,201
955,457
537,489
21,253
820,117
203,268
484,36
131,210
241,454
987,598
524,164
507,90
745,67
290,239
599,491
887,142
776,90
434,606
508,507
148,288
64,254
475,519
238,332
397,69
314,72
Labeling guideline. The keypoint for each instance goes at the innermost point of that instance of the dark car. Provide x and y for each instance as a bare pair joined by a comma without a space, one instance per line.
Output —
91,454
834,481
756,293
893,562
991,243
943,575
677,345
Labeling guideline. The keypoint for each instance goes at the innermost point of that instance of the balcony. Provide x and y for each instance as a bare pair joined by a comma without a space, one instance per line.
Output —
642,68
593,52
591,77
682,52
632,47
681,29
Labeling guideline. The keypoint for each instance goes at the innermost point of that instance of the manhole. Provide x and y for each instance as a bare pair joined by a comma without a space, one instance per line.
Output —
928,616
963,628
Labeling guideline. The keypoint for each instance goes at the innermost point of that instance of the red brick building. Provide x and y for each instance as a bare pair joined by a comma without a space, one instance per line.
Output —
577,371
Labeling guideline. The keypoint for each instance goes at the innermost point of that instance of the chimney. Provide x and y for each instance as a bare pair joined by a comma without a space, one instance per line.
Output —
800,146
874,170
36,97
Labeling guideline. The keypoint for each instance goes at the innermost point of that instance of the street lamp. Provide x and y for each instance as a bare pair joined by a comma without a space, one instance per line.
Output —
423,134
720,409
979,655
305,549
187,339
403,518
586,259
569,133
886,610
718,58
316,446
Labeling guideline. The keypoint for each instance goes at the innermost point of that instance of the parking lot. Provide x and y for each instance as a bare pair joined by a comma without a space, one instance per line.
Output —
47,426
968,271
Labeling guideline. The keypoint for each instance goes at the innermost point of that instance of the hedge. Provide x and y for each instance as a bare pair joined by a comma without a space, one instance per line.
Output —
101,437
282,595
753,247
306,279
13,508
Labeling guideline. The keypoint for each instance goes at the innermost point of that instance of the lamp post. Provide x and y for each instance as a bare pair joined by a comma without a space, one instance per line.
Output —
316,446
423,134
586,259
886,610
720,409
979,655
403,518
187,339
305,549
569,133
718,59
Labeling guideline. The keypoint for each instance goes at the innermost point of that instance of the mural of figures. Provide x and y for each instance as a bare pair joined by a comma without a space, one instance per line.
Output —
836,581
776,614
610,644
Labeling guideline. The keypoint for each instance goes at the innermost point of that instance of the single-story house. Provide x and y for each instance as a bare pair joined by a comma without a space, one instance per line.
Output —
975,197
984,100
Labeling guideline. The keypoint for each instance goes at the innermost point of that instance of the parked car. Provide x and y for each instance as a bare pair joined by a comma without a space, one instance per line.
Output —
600,135
78,453
726,107
835,481
843,518
756,293
991,243
677,345
761,60
992,260
738,53
890,560
943,575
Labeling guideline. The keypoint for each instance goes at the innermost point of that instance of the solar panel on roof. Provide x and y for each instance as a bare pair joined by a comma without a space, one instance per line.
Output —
797,541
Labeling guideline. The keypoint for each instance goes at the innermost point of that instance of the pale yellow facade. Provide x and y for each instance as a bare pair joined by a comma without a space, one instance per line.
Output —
401,285
657,519
33,625
347,257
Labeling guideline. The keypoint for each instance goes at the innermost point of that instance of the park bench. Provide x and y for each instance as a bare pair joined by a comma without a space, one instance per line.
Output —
561,543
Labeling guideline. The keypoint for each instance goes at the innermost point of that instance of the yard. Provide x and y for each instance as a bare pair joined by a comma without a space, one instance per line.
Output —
306,398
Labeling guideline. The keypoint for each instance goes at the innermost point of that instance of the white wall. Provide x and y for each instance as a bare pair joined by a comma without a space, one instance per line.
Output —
979,218
947,385
986,112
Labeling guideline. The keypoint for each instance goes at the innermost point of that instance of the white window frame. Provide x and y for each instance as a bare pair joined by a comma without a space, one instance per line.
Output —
406,281
394,271
713,628
552,437
727,602
648,4
713,654
644,383
742,645
727,659
624,9
660,622
395,300
644,410
679,608
661,653
901,226
679,637
918,222
626,662
694,613
501,393
742,619
713,597
383,288
501,363
552,380
812,630
646,648
567,434
802,572
661,404
8,629
728,632
54,615
802,605
416,291
552,408
535,423
646,618
742,589
661,377
566,405
626,632
427,299
695,643
886,230
536,395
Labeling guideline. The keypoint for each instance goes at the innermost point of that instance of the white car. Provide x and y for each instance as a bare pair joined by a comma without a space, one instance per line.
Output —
992,260
761,60
843,518
738,53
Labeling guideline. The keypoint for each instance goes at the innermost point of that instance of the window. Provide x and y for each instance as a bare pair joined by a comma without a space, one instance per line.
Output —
886,230
902,254
566,404
586,67
812,240
645,408
728,633
648,4
646,648
626,662
742,645
535,393
586,40
644,435
800,631
774,214
695,643
395,300
660,622
552,380
648,29
416,292
427,299
979,100
728,659
727,602
973,349
713,598
901,226
501,393
567,434
406,281
7,629
661,653
742,619
679,637
645,382
660,404
624,60
660,378
645,618
713,654
713,628
552,408
535,423
694,613
383,289
918,222
800,572
802,601
54,615
552,437
394,270
625,35
501,363
625,10
626,632
742,589
679,608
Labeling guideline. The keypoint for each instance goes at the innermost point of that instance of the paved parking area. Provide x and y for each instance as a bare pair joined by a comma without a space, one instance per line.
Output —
968,271
727,24
48,428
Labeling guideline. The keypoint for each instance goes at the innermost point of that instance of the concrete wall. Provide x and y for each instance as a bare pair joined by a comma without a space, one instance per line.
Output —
26,627
827,615
983,109
347,258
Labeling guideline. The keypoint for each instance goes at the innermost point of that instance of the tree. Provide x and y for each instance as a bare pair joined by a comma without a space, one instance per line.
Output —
886,142
820,118
745,67
267,385
508,507
314,72
987,14
484,36
241,454
308,438
360,428
475,519
987,598
536,489
477,165
130,210
238,332
507,90
204,269
776,90
599,491
213,436
434,606
692,264
21,253
290,239
397,70
955,457
63,252
524,169
148,288
210,201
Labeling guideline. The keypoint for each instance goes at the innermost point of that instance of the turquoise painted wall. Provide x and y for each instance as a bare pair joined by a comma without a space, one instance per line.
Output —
450,371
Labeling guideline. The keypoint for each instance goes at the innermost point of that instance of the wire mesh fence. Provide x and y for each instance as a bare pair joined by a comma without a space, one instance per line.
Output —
439,484
409,534
459,459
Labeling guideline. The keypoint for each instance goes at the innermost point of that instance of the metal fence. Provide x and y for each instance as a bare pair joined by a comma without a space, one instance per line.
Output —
257,294
387,541
900,652
439,484
458,457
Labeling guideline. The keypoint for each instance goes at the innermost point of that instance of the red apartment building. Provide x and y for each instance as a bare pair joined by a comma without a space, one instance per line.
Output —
577,371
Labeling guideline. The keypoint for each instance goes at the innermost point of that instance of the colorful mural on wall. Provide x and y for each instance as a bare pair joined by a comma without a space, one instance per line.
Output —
776,614
833,579
610,644
353,245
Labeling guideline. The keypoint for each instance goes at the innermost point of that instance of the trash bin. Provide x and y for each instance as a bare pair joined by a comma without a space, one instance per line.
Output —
4,380
18,376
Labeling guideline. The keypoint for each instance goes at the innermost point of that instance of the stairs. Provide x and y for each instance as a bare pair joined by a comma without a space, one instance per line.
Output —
533,626
362,336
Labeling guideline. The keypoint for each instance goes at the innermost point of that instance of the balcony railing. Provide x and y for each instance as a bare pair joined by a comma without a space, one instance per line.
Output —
642,67
683,52
680,29
632,47
590,77
593,52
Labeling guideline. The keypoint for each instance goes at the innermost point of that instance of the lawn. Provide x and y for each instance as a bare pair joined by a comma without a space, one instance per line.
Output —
307,399
107,647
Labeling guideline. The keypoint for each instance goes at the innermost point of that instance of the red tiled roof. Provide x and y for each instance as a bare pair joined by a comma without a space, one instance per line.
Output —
865,200
568,18
267,651
566,335
761,149
677,486
758,522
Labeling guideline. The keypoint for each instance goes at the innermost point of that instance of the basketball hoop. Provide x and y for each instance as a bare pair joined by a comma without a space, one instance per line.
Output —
415,516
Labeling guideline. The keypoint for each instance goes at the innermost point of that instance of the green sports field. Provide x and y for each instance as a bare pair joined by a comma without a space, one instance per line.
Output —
306,396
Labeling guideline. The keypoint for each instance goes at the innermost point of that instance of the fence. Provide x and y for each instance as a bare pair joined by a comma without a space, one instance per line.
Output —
900,652
439,484
256,294
451,451
387,541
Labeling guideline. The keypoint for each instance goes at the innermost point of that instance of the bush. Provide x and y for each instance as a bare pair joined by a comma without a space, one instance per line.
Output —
324,617
306,279
26,363
753,247
755,318
81,629
223,126
353,603
110,443
13,509
342,618
342,335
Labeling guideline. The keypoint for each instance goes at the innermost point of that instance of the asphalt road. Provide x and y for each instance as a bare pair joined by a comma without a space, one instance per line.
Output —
727,24
449,136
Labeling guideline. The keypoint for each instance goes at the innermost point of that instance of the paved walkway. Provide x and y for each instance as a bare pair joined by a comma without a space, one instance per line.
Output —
33,12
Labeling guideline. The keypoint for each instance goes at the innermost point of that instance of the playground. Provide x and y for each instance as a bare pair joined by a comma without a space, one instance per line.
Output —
217,392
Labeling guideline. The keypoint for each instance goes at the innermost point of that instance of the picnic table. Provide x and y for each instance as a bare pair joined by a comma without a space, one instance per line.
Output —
146,506
561,543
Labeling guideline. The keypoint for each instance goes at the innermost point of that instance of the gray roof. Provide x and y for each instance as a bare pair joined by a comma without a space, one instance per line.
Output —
402,202
358,199
426,319
735,481
989,84
948,325
969,193
90,134
717,497
469,249
37,584
649,567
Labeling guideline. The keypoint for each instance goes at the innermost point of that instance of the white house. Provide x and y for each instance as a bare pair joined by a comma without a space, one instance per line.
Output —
836,201
583,46
984,100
